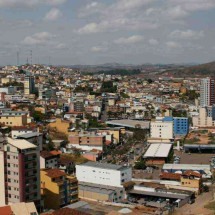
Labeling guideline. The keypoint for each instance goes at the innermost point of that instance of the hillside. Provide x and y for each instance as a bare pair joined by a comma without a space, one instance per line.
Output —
203,70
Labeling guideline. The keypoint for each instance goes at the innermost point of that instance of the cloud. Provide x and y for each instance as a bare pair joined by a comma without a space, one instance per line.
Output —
40,38
129,40
153,42
188,34
61,46
172,44
53,15
98,49
28,3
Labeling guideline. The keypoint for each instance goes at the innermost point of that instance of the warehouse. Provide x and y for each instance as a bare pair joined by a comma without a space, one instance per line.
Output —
158,153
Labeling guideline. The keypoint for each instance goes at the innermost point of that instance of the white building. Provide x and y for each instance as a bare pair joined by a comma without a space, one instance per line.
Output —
205,118
161,130
103,174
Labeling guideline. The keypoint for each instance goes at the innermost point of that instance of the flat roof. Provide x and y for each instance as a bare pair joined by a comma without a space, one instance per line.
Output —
160,194
29,135
187,166
193,146
129,123
21,144
158,150
103,165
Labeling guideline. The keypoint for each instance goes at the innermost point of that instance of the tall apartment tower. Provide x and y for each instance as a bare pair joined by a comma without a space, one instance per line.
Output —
207,92
29,85
19,172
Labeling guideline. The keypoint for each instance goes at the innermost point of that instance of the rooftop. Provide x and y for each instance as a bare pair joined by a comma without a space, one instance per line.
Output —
21,144
158,150
103,165
29,135
54,173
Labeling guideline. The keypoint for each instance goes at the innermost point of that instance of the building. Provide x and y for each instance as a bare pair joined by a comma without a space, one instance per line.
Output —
87,141
158,153
29,85
204,170
206,117
103,173
48,160
207,92
76,106
161,129
14,118
57,188
180,125
20,130
20,172
102,181
19,209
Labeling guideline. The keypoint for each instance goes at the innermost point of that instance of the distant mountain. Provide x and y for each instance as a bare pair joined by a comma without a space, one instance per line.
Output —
207,69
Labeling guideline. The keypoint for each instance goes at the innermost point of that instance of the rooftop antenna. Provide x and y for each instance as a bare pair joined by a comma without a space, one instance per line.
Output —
27,60
31,55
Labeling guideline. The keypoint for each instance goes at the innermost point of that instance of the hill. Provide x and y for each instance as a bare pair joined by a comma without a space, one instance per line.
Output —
202,70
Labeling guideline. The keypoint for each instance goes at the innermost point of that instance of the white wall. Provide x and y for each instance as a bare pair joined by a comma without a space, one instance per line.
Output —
162,130
85,147
2,180
102,176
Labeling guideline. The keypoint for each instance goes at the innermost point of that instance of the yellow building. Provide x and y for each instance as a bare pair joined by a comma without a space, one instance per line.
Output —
13,120
192,180
57,188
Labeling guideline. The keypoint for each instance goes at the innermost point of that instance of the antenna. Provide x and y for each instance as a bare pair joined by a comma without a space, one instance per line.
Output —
17,58
31,56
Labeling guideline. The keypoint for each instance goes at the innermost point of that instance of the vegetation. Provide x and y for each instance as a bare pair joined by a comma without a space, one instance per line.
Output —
140,164
122,72
76,158
108,87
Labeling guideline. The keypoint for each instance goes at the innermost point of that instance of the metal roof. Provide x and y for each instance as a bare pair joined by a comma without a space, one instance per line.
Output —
158,150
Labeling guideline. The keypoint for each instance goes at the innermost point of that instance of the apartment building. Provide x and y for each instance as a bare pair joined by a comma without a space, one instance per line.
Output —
20,130
13,120
57,188
102,181
206,117
20,175
207,92
29,85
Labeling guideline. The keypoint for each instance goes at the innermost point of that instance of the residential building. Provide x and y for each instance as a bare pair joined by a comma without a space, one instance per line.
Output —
20,130
13,119
48,160
57,188
207,92
21,177
29,85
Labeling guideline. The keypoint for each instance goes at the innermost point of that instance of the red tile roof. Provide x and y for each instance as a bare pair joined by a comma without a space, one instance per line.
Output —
54,173
6,210
192,173
170,176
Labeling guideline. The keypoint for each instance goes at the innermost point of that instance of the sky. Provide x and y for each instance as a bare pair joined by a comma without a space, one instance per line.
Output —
69,32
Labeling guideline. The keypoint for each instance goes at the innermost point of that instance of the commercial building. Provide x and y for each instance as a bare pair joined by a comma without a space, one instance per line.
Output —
207,92
20,172
161,130
158,153
102,181
180,125
57,188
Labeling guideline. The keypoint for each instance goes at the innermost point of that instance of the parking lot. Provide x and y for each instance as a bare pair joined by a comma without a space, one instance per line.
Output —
194,158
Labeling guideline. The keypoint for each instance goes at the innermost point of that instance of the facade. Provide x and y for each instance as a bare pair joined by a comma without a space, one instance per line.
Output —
48,160
161,130
29,85
206,117
21,172
103,174
13,120
57,188
87,141
207,92
180,125
20,130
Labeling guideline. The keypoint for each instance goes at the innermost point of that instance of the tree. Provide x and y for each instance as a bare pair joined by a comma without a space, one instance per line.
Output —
140,164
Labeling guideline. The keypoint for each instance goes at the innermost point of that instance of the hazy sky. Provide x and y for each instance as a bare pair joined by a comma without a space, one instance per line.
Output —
95,32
